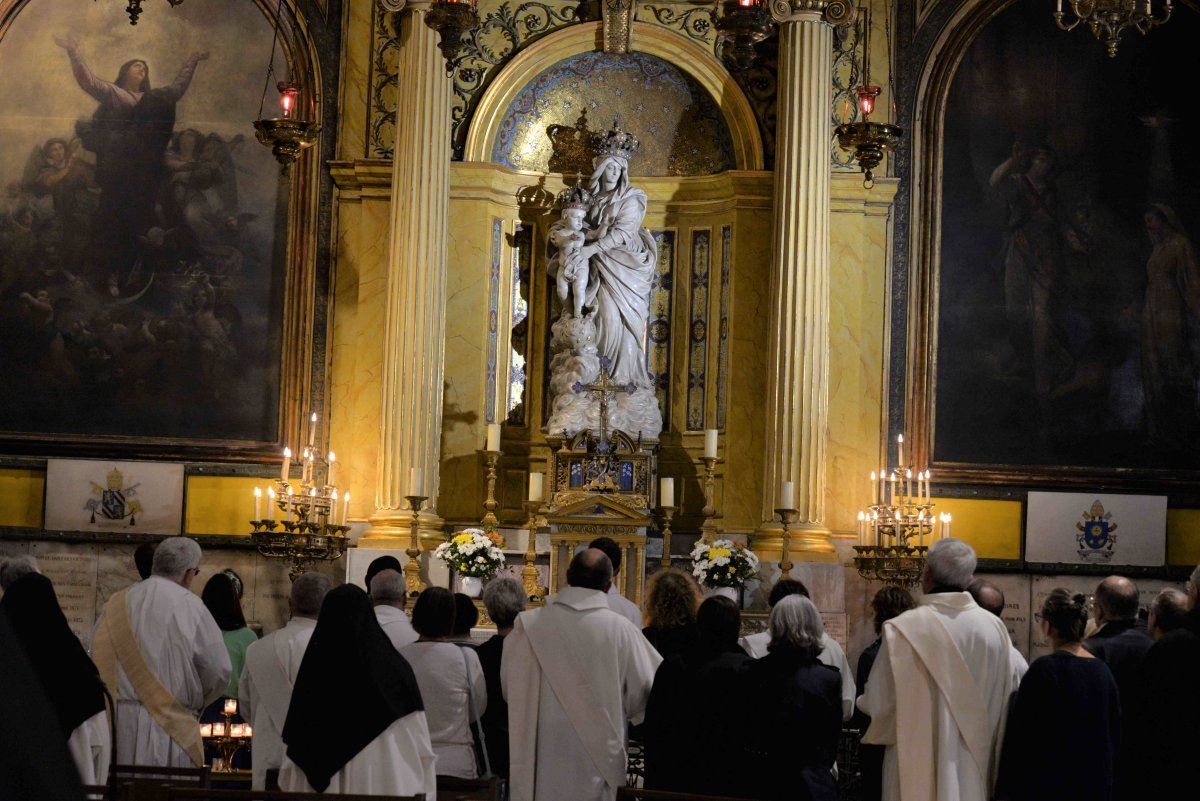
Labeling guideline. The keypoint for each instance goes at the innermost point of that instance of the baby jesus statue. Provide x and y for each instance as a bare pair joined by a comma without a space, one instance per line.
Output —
568,236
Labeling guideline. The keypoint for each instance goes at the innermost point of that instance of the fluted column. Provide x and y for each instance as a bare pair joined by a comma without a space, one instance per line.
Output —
798,377
410,425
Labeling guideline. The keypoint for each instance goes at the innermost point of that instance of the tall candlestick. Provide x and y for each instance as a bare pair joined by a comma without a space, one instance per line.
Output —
900,450
787,498
329,476
666,492
257,503
710,443
312,429
345,509
416,481
287,463
535,486
874,489
493,437
271,504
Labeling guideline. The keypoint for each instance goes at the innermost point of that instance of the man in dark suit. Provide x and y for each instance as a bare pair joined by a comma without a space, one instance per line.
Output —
1121,642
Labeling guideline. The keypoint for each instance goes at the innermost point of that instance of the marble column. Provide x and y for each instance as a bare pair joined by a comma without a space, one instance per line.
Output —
410,425
798,372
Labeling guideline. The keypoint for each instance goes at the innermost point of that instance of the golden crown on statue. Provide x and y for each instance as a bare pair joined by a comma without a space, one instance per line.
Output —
575,197
616,142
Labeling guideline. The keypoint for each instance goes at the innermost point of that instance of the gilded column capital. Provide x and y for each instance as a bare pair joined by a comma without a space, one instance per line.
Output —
395,10
831,12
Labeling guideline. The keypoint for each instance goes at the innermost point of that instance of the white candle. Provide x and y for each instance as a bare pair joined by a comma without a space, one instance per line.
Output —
947,531
270,504
928,492
493,436
312,429
345,509
257,503
535,486
900,450
218,729
289,508
908,483
1058,6
787,498
230,706
329,478
306,467
416,480
333,515
666,492
710,443
249,730
862,528
206,730
287,463
893,495
874,489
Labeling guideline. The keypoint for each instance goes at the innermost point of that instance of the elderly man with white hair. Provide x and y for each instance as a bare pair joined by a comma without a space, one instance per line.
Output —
938,692
161,653
388,593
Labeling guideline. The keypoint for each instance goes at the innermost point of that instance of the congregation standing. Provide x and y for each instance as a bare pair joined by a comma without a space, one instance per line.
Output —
948,709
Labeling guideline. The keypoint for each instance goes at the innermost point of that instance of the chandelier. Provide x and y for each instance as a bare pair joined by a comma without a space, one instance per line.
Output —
288,135
743,24
868,140
134,9
896,530
1108,19
453,20
314,523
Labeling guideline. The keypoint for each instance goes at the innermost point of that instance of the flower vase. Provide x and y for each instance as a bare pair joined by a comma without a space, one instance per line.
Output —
470,586
728,592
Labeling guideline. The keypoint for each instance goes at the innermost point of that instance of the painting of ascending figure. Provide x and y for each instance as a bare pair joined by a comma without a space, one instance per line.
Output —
1068,308
141,233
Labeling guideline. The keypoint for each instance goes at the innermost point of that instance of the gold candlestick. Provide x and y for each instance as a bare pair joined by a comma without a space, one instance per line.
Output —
709,531
788,517
667,513
412,570
529,573
490,522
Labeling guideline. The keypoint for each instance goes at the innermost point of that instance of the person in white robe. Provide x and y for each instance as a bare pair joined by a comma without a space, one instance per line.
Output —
388,594
575,674
272,663
831,654
616,601
991,599
939,690
451,682
71,681
159,646
356,723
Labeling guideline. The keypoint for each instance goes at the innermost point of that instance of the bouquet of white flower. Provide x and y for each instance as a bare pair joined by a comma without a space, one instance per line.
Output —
723,564
471,552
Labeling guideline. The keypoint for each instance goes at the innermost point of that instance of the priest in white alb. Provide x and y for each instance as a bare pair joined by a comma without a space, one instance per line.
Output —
574,673
938,692
831,652
159,647
265,688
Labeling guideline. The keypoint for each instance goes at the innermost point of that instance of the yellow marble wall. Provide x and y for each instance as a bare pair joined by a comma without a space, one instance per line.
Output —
357,42
21,493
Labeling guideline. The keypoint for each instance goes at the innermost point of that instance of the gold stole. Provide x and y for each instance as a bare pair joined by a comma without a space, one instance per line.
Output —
116,643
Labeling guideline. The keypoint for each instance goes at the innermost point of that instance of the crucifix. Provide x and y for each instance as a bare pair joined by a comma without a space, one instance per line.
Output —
603,387
618,25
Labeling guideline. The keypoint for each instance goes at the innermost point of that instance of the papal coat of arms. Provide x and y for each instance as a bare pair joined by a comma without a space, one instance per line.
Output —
114,502
1095,537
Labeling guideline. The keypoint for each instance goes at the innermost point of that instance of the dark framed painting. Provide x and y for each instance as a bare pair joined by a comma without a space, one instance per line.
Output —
1064,297
144,233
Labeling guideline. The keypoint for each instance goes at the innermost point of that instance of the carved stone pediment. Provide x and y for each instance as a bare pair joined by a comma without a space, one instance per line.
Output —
590,509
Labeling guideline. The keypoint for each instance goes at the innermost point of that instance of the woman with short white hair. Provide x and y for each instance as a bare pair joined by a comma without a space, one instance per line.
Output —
793,709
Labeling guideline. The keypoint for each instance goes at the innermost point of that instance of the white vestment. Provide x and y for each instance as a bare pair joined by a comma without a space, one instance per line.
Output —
265,691
938,697
624,607
184,649
91,748
574,673
441,671
399,761
395,625
831,654
1019,667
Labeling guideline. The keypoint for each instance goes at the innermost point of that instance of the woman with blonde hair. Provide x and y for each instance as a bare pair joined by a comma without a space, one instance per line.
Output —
671,604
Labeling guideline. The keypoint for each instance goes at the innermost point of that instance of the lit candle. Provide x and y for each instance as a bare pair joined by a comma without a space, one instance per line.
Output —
908,483
345,508
329,478
218,730
875,527
666,492
230,706
289,508
333,515
900,450
271,504
928,491
257,504
416,481
862,528
493,436
287,463
236,729
248,730
874,489
1058,6
947,531
787,498
535,486
206,730
893,495
710,443
312,429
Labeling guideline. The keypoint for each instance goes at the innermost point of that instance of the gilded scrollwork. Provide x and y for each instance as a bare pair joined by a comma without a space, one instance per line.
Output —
694,22
848,52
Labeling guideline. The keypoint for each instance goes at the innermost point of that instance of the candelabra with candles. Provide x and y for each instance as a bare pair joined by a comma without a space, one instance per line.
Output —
1108,19
895,532
311,529
227,737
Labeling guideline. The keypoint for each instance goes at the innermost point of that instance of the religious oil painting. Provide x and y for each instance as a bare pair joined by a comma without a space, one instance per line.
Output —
141,226
1068,302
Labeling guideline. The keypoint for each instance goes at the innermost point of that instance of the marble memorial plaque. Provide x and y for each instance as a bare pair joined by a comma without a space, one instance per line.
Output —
836,627
73,574
1017,612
